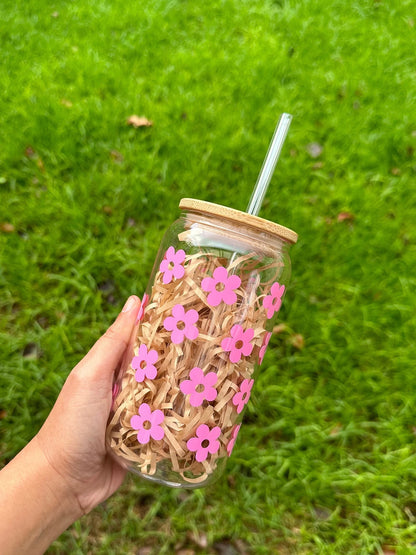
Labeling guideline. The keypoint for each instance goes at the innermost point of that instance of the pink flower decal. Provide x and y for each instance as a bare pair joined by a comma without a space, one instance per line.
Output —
239,343
206,441
143,305
200,386
143,363
231,443
264,346
221,287
116,389
114,393
273,302
181,324
241,398
172,265
148,424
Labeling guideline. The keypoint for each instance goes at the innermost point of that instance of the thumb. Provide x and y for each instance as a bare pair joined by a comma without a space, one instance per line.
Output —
104,357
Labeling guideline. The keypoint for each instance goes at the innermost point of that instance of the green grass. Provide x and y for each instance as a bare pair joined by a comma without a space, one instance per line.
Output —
326,459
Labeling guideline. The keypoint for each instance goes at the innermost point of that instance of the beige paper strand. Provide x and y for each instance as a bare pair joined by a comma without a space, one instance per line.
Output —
175,362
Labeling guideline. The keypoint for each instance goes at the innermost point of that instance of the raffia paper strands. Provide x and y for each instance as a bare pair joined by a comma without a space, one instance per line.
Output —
175,361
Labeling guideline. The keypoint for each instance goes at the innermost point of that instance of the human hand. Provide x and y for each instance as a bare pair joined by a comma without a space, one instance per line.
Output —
72,438
65,471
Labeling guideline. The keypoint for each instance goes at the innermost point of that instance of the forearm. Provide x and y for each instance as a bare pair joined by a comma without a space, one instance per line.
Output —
35,503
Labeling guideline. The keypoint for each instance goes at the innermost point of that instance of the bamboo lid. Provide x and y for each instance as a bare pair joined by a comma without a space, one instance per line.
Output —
255,222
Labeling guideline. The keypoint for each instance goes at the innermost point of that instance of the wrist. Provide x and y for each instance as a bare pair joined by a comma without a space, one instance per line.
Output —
36,505
56,484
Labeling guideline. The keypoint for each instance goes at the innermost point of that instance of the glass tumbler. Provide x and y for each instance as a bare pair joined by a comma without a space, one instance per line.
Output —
206,319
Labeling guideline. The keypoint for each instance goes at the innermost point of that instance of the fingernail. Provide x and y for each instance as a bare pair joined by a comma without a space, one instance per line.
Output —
131,301
143,304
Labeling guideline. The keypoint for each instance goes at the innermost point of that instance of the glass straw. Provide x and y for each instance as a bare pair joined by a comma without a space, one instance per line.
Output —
269,164
266,171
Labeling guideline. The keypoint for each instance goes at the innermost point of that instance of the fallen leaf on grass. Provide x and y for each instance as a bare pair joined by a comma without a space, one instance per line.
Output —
280,328
240,545
3,414
298,341
137,121
65,102
43,321
30,152
7,227
31,351
116,156
322,513
345,217
335,430
107,210
225,548
40,164
200,540
396,171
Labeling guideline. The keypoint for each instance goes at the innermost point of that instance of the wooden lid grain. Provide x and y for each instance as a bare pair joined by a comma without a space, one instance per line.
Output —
237,216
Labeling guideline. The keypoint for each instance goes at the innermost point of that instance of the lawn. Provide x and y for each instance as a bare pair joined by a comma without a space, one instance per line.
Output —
326,458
